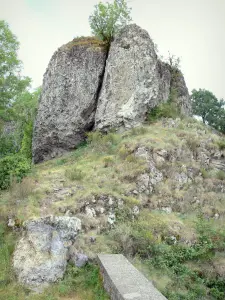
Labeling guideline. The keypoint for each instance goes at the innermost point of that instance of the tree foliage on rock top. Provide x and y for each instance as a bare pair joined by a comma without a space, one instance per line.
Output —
107,19
12,84
206,105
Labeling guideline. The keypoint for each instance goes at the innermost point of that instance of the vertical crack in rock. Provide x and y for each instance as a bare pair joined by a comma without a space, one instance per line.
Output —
69,97
132,84
87,86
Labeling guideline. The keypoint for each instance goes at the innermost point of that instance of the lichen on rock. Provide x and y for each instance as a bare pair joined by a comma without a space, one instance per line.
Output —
40,257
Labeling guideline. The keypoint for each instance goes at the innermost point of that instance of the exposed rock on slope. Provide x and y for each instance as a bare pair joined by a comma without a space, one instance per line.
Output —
135,81
75,96
68,101
41,254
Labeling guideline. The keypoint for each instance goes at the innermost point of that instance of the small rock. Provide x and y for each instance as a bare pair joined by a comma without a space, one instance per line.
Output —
136,210
110,201
216,216
168,210
90,212
120,203
80,260
11,223
111,218
92,239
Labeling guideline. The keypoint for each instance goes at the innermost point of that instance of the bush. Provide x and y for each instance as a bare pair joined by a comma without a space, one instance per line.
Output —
138,131
164,110
26,146
221,144
220,175
74,173
103,142
108,161
13,167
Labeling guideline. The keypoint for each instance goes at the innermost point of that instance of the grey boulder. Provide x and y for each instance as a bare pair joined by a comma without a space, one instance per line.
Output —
41,254
68,101
135,81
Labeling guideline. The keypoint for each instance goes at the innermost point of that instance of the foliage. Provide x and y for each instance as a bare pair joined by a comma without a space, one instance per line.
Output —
174,260
164,110
86,278
173,61
107,19
206,105
103,142
11,83
74,173
220,175
221,144
8,144
13,166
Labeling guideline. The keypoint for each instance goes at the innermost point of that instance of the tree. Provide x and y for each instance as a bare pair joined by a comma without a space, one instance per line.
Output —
12,84
206,105
109,18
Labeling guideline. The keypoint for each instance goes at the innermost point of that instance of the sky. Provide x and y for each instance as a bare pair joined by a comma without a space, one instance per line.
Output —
193,30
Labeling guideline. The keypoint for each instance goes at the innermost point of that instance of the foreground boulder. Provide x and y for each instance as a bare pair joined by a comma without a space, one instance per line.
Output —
41,254
69,94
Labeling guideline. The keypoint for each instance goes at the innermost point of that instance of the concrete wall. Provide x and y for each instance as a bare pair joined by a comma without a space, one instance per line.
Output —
123,281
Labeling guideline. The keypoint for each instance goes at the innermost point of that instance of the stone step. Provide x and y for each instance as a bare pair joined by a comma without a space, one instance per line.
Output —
123,281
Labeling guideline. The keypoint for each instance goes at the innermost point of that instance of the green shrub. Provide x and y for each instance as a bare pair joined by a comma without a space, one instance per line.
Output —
79,279
205,173
74,173
138,130
108,161
60,162
164,110
220,175
7,145
13,167
26,145
221,144
103,142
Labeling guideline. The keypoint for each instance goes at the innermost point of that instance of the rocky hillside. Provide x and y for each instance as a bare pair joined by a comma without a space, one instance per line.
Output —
154,193
88,86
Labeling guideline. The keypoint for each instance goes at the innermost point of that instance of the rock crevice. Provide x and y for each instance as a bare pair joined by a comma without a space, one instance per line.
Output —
87,86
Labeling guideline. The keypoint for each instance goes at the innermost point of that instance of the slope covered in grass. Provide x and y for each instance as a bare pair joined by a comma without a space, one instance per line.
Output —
154,193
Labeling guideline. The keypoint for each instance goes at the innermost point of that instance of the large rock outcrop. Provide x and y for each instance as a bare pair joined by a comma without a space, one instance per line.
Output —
135,81
40,257
82,89
69,97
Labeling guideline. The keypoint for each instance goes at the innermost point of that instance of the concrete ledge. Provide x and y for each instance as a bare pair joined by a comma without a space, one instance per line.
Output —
123,281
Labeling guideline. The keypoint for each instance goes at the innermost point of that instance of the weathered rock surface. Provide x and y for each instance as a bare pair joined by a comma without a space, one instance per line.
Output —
41,254
82,90
68,101
135,81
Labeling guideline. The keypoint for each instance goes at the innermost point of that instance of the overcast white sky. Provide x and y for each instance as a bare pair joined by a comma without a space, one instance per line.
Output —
194,30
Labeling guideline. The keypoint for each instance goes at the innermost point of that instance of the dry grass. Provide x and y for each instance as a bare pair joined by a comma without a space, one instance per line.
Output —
91,41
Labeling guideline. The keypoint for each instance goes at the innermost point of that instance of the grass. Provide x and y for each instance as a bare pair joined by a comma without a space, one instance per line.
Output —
108,165
86,42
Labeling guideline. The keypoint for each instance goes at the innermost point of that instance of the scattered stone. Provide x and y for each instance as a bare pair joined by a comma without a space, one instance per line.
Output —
168,210
11,223
136,210
90,212
92,239
80,260
111,218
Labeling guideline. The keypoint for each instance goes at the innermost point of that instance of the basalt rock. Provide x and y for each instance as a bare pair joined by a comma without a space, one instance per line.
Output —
136,81
41,254
87,87
69,98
